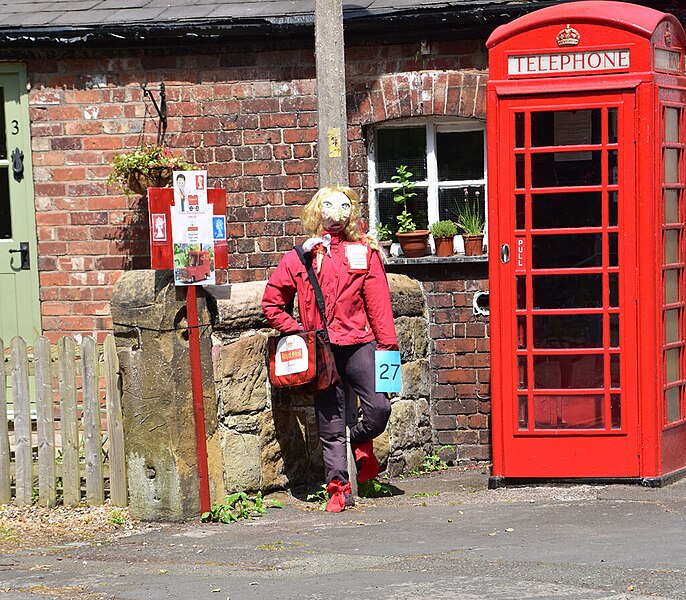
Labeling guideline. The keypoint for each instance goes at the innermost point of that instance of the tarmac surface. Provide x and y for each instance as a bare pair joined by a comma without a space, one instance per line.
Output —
443,536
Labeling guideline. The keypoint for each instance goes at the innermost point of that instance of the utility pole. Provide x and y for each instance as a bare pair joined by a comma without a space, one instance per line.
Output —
332,137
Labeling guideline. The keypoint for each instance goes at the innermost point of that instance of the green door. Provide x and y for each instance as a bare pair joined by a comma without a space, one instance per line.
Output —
19,302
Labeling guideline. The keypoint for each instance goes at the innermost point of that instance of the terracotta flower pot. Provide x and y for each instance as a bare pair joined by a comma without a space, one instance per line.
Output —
473,244
444,246
414,244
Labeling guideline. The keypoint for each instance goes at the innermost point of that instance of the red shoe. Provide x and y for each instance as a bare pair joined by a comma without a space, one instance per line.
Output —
337,492
368,465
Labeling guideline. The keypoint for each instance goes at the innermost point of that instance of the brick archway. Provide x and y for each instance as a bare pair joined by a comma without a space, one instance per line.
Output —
420,93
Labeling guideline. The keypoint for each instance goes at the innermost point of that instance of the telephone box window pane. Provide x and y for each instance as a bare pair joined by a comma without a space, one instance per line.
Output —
568,412
521,292
460,155
388,209
401,146
565,128
614,331
568,291
519,130
671,206
612,208
579,371
519,171
671,246
672,365
523,377
521,333
519,211
5,214
523,412
671,326
613,280
671,165
568,331
613,241
671,286
612,167
671,124
616,411
563,169
612,125
555,211
567,251
672,395
614,371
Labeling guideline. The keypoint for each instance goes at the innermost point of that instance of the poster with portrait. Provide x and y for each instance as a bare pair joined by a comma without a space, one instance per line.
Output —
192,230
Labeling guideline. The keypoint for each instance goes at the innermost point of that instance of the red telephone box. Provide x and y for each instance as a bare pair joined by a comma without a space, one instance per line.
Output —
586,139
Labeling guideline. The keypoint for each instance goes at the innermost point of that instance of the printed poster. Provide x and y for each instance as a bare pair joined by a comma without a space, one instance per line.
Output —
193,230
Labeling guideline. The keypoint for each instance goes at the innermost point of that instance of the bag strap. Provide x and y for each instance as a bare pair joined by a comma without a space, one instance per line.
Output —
306,259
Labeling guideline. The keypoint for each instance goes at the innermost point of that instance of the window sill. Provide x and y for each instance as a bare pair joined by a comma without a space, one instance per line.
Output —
440,260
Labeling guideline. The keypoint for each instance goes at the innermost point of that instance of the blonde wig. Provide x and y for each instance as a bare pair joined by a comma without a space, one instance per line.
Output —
312,213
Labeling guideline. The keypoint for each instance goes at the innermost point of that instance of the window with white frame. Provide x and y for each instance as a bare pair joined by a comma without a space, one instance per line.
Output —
448,163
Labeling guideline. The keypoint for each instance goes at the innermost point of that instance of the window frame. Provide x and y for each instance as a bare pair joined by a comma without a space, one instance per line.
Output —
432,126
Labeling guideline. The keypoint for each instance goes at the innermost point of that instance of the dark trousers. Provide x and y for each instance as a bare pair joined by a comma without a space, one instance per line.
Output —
355,366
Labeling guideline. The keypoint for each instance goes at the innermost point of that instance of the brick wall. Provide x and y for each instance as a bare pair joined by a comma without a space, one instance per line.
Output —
459,356
249,117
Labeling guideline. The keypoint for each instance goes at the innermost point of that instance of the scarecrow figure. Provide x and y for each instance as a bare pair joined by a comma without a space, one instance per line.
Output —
352,278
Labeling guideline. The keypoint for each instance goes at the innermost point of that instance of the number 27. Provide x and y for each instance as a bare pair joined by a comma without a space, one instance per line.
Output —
386,368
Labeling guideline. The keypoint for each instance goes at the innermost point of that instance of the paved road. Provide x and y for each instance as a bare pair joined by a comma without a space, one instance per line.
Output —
445,537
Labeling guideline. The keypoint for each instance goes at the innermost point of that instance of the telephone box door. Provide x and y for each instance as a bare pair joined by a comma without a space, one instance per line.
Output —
567,188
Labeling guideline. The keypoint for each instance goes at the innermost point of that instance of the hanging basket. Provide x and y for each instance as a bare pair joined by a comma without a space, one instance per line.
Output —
139,182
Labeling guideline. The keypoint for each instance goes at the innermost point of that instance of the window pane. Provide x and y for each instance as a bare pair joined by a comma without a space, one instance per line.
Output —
671,124
521,332
671,326
672,395
519,211
565,128
400,146
552,211
568,331
671,246
523,412
389,210
616,408
3,132
522,372
554,169
672,365
613,208
583,371
519,130
612,167
521,292
612,125
671,285
614,331
5,214
567,251
671,206
452,199
614,371
671,165
614,289
568,412
613,245
568,291
460,155
519,171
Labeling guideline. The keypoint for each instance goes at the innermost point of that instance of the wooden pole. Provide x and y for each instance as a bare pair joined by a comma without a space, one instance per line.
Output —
332,137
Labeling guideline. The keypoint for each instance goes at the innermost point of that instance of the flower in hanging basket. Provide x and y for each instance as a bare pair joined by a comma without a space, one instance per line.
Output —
148,166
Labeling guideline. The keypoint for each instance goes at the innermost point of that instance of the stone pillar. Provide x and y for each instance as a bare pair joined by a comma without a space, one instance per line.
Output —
149,315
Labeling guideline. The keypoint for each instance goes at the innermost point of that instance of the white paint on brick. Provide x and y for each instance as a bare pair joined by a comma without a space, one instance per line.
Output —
91,112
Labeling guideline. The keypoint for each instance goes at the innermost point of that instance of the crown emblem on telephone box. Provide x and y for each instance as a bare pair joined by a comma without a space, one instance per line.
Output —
568,37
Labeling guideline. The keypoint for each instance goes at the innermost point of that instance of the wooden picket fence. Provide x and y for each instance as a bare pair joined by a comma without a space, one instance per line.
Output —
52,421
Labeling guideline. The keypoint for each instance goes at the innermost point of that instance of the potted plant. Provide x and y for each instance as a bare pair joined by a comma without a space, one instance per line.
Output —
472,221
412,240
384,235
150,165
443,233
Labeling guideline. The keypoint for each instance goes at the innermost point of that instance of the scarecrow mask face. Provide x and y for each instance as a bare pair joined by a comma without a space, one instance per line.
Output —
336,209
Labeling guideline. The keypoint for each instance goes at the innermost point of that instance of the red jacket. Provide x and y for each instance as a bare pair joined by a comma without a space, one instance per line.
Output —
355,289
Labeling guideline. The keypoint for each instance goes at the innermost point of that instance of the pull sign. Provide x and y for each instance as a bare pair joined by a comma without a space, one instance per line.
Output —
520,253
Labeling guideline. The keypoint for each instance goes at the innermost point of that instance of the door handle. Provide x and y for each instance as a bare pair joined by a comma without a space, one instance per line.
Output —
25,256
18,164
505,253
